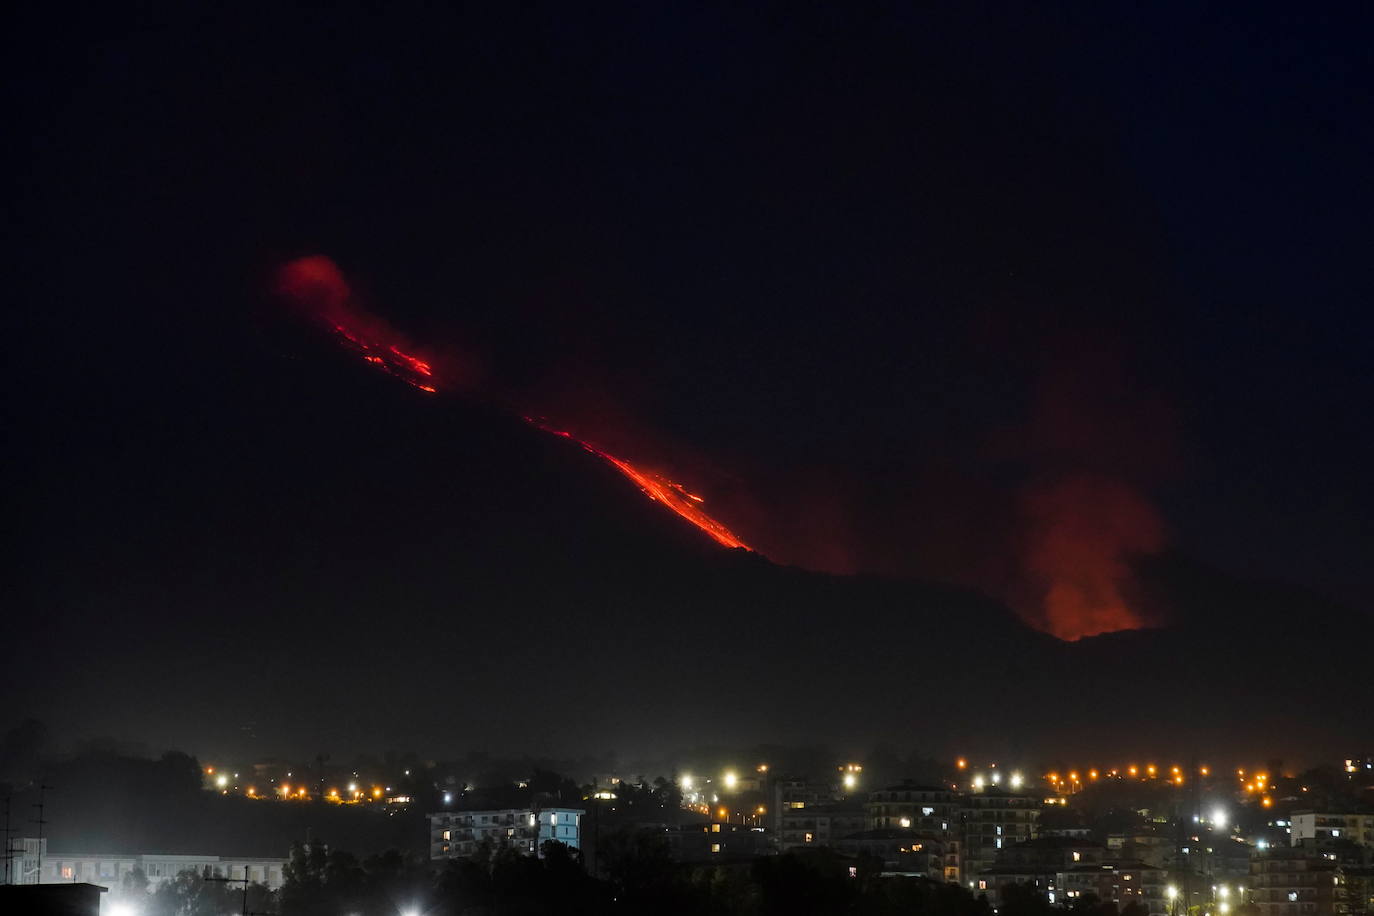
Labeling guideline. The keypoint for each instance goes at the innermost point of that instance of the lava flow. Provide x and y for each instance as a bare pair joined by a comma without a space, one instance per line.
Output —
658,488
316,285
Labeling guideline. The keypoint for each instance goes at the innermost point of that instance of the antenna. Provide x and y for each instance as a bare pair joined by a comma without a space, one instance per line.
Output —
42,801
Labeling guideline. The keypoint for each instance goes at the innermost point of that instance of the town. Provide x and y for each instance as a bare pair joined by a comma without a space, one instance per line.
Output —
1140,837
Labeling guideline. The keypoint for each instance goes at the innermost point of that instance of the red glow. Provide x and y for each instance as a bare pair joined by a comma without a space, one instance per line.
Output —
316,286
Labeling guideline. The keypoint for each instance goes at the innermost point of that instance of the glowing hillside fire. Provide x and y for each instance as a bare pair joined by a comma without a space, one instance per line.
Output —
316,285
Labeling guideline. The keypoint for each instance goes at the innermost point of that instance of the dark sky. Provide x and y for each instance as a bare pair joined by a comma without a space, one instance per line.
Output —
990,295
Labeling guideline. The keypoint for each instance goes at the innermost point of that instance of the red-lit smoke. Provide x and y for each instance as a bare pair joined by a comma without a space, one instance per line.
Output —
1097,437
1080,534
317,286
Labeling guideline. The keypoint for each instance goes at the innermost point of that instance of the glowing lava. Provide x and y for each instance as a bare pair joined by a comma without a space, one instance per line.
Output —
316,285
660,489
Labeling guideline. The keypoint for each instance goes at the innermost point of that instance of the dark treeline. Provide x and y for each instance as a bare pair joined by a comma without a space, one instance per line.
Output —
637,875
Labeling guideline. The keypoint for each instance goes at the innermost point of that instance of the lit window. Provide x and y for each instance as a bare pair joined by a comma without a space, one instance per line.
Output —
1077,856
808,836
715,847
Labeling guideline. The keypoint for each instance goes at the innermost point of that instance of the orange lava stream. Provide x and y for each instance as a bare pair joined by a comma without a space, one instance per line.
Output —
660,489
316,285
417,373
392,361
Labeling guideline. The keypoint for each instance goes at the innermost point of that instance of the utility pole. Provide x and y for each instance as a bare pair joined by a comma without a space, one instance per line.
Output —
9,845
245,882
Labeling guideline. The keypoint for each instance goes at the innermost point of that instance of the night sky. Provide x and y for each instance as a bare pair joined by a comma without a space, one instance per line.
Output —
1011,299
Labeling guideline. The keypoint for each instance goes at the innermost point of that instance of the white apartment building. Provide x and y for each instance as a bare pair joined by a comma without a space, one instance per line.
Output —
1312,825
109,869
457,834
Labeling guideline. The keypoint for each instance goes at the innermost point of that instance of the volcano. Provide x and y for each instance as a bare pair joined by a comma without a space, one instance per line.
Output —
318,556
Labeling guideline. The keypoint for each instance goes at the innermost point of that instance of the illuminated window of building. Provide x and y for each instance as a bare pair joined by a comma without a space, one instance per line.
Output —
1077,856
448,834
715,847
715,828
808,838
982,885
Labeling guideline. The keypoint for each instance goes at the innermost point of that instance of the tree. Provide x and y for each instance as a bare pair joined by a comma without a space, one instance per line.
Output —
189,894
1024,900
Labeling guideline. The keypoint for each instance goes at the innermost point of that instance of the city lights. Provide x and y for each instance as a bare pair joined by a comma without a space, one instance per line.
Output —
685,782
1219,819
1016,780
850,780
222,781
730,780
